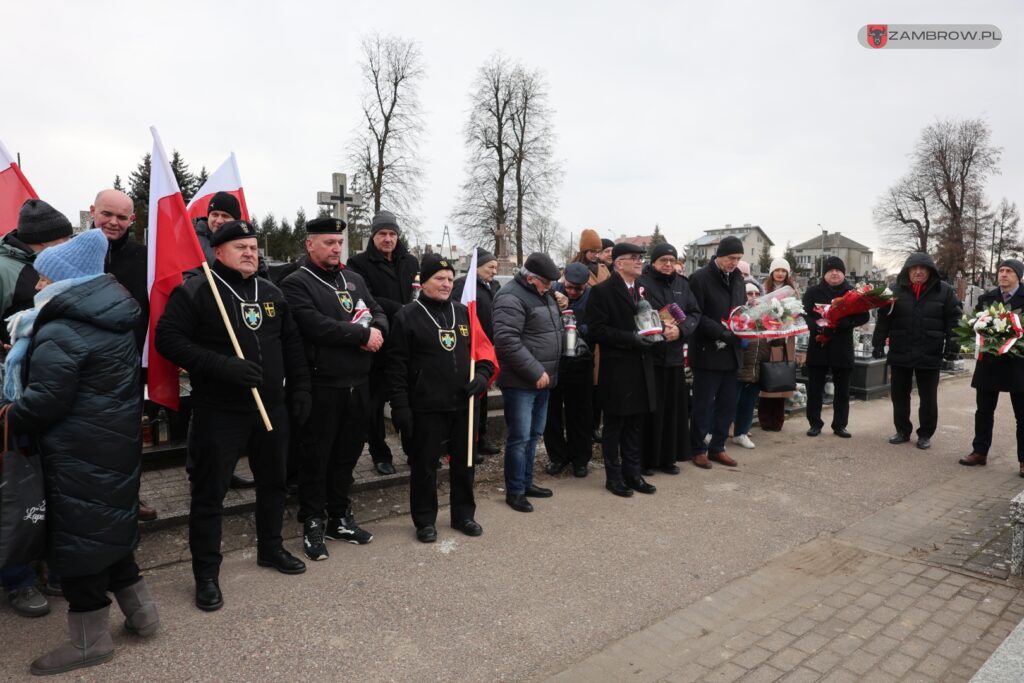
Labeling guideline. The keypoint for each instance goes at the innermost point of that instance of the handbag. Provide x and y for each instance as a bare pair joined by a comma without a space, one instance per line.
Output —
779,375
22,505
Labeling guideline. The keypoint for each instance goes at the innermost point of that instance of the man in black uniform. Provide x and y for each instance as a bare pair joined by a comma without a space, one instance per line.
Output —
429,387
324,299
389,270
226,422
487,287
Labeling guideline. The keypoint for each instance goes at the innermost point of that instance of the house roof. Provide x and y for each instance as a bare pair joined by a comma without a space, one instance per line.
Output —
638,240
713,236
832,240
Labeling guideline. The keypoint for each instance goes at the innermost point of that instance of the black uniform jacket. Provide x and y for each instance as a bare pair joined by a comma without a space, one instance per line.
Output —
126,261
427,368
1000,373
322,303
662,290
191,333
838,352
390,282
717,294
625,376
920,330
485,294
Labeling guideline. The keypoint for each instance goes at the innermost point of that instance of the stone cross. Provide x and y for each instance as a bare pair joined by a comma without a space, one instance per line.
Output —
339,200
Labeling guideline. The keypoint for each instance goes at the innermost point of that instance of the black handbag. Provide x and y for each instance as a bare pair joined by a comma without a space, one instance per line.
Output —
22,505
779,375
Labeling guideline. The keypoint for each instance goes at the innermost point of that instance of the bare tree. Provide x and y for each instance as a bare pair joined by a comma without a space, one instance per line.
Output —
977,230
385,146
535,172
511,173
544,234
954,158
904,216
1006,238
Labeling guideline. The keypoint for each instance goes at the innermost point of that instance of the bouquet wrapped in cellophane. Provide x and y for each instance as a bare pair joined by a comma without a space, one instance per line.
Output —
994,331
775,315
859,300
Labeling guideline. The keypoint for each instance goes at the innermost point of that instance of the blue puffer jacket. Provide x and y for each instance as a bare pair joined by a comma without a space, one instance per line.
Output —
82,406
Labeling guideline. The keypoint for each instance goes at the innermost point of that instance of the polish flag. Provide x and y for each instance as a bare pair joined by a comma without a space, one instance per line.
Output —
480,347
173,249
14,190
224,179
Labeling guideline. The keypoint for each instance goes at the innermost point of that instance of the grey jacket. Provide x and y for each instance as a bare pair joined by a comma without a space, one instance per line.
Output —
527,335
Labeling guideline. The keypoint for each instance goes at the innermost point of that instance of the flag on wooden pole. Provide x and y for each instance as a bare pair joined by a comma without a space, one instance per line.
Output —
480,348
14,190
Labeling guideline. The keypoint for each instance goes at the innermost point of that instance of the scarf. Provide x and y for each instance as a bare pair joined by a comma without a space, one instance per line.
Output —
21,327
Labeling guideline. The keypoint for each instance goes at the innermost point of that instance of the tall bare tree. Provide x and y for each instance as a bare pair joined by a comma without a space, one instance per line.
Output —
544,234
904,215
385,147
1006,238
977,225
954,158
484,204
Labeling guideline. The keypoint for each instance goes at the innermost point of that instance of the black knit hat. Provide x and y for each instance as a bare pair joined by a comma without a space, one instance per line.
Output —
483,256
663,249
606,243
541,265
431,263
228,203
233,230
39,222
1014,265
729,246
382,220
325,225
835,263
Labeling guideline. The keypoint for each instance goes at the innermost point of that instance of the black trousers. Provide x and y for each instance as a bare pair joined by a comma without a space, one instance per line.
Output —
89,593
900,383
816,375
667,430
984,419
569,427
331,442
714,407
375,425
621,442
220,437
434,436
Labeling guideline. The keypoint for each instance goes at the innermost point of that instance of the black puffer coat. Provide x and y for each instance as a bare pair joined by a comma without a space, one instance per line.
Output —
920,329
999,373
527,335
838,352
390,282
82,405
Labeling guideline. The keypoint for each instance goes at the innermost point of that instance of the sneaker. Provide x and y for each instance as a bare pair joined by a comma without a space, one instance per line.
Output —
346,529
743,440
313,540
29,602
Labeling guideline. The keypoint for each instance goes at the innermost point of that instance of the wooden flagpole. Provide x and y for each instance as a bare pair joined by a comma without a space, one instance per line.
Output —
472,401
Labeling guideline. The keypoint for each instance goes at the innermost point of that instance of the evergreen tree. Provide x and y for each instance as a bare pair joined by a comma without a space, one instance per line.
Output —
201,179
764,261
186,181
118,185
656,239
300,227
138,184
791,257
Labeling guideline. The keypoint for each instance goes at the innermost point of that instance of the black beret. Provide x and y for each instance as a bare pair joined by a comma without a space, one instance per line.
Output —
228,203
325,225
623,248
233,230
431,263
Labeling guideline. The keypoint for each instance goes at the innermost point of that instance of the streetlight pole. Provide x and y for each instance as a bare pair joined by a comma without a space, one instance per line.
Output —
823,231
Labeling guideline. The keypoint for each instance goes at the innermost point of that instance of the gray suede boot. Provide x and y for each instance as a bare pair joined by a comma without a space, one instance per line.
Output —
140,613
89,644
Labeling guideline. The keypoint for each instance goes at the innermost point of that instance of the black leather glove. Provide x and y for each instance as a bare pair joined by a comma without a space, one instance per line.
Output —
476,386
729,338
641,342
402,419
302,406
245,373
878,352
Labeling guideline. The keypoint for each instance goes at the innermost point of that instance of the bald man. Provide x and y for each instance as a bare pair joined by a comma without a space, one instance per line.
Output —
113,212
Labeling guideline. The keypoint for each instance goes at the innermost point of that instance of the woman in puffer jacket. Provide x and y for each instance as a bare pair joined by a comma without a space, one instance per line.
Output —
72,380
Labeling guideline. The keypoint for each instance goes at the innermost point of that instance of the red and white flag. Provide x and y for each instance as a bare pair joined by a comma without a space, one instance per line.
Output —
224,179
480,347
14,190
173,249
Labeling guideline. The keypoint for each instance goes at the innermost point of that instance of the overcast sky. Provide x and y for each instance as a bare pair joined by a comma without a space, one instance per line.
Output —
689,115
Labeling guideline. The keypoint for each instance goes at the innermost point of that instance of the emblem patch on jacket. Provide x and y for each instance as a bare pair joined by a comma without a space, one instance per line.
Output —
464,330
251,316
447,338
345,299
268,308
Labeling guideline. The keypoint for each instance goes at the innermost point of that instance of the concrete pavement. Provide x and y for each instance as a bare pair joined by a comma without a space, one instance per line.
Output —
721,575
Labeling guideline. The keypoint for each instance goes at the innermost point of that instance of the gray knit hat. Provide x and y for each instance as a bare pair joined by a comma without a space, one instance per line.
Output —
382,220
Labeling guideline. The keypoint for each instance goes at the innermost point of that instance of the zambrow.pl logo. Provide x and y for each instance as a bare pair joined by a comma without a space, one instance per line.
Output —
929,36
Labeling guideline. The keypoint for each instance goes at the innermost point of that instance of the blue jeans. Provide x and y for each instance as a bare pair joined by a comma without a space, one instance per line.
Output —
526,413
746,400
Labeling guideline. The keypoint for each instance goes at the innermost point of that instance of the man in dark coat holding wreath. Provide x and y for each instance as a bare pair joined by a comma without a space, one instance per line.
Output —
997,374
834,355
625,379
